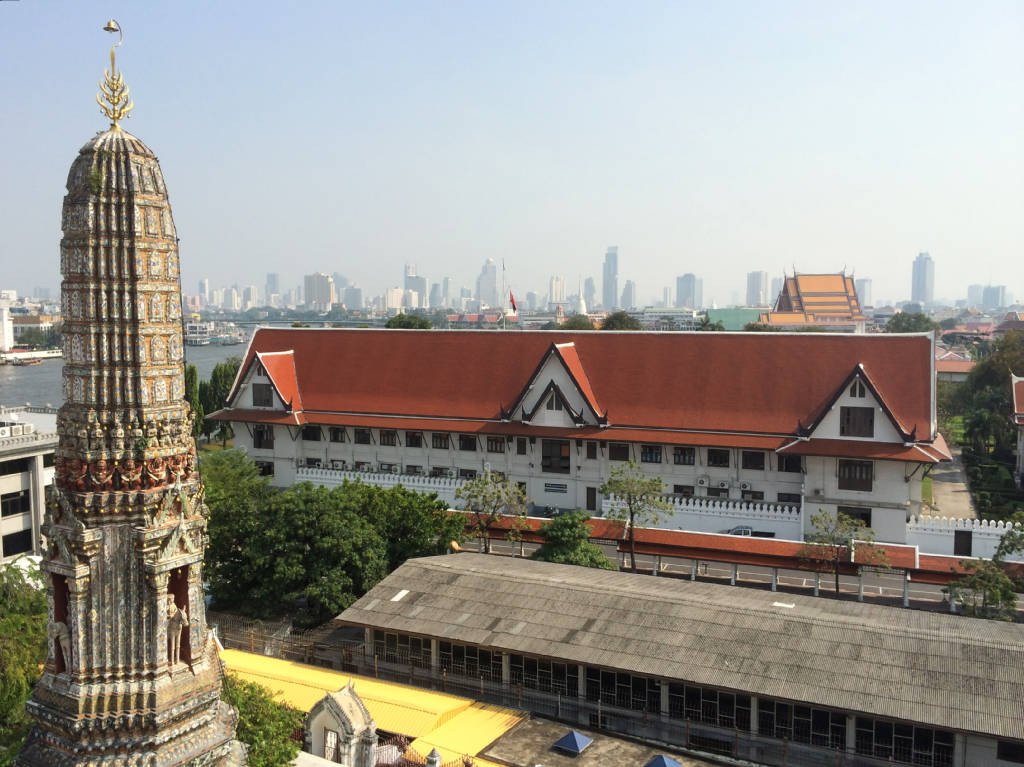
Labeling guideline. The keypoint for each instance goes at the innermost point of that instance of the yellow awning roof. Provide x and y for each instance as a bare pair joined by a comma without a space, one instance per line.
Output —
394,707
469,732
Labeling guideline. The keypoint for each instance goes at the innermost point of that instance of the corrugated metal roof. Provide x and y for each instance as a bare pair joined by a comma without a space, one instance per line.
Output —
933,668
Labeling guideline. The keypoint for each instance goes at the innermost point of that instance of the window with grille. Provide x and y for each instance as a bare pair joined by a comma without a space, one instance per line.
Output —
265,468
336,434
903,743
718,458
262,395
263,436
857,421
414,439
520,445
311,433
467,442
650,453
684,456
753,459
618,451
362,436
555,456
388,438
855,475
791,463
591,450
439,441
495,444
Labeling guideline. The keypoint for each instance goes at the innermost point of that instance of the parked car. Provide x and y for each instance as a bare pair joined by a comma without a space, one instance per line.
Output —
748,531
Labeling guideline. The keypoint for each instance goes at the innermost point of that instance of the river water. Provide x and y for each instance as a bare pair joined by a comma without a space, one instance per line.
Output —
40,384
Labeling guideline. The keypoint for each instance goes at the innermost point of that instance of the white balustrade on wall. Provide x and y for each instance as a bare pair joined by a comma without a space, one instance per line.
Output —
713,515
445,487
936,535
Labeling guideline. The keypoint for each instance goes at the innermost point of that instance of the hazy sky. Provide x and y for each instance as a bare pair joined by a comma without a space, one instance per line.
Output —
713,137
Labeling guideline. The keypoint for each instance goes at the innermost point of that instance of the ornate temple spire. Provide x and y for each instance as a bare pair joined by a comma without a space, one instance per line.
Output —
115,92
132,674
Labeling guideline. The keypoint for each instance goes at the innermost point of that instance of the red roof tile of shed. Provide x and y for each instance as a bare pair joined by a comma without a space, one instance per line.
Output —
845,448
743,382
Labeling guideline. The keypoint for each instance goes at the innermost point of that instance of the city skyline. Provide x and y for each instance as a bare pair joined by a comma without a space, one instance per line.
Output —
718,141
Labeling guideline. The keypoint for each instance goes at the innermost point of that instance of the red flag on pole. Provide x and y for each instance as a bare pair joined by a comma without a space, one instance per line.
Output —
512,300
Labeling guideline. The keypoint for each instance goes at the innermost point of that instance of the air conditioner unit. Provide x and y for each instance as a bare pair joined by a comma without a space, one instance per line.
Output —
5,431
744,485
724,484
452,473
396,469
702,481
17,430
29,428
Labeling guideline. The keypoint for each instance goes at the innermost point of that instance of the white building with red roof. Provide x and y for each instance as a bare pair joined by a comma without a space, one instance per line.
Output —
767,427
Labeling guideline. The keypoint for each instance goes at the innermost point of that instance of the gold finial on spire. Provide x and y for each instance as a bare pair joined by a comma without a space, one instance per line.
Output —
115,92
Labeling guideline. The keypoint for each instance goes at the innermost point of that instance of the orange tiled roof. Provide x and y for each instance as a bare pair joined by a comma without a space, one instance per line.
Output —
744,383
954,366
815,299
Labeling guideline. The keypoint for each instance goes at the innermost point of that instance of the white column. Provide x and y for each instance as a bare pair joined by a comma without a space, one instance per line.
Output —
959,749
851,734
664,697
38,501
657,564
693,570
435,655
581,681
753,715
732,578
775,579
506,668
817,583
860,584
906,590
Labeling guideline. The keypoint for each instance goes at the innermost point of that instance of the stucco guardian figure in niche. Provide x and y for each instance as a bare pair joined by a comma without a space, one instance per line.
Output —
177,622
59,631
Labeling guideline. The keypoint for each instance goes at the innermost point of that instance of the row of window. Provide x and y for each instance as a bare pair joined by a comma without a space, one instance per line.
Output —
782,720
753,460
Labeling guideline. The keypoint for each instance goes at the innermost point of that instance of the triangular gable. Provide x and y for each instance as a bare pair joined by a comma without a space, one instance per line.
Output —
859,374
280,370
573,417
569,361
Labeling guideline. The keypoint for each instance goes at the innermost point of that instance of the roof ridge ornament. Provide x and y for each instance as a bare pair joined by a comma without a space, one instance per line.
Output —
115,92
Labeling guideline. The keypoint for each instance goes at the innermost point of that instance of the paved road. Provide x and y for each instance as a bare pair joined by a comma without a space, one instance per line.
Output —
950,496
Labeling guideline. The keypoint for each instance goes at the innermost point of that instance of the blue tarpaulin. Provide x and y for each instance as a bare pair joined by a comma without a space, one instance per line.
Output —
573,742
663,761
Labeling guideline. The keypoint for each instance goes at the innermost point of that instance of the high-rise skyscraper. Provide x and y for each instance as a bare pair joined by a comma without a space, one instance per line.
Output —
590,292
975,295
922,287
556,290
132,673
204,292
993,297
689,291
863,287
353,297
610,284
487,284
319,291
414,281
757,289
273,287
629,295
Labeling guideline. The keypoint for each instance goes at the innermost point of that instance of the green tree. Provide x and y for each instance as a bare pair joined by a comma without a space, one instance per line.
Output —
37,338
832,539
22,649
221,380
272,730
986,590
706,324
300,324
238,556
620,321
487,498
761,327
567,542
409,321
192,398
638,500
910,322
550,325
411,524
578,322
949,323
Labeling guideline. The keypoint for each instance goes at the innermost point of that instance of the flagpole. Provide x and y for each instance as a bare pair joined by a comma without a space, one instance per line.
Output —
503,300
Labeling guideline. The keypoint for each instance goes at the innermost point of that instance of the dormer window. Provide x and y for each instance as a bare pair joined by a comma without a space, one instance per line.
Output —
554,403
260,370
858,389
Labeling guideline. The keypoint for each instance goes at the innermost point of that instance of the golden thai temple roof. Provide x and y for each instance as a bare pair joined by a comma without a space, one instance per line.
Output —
816,299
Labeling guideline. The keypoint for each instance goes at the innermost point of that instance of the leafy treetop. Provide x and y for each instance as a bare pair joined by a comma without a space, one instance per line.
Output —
620,321
567,542
639,500
910,322
487,498
578,322
832,540
409,322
